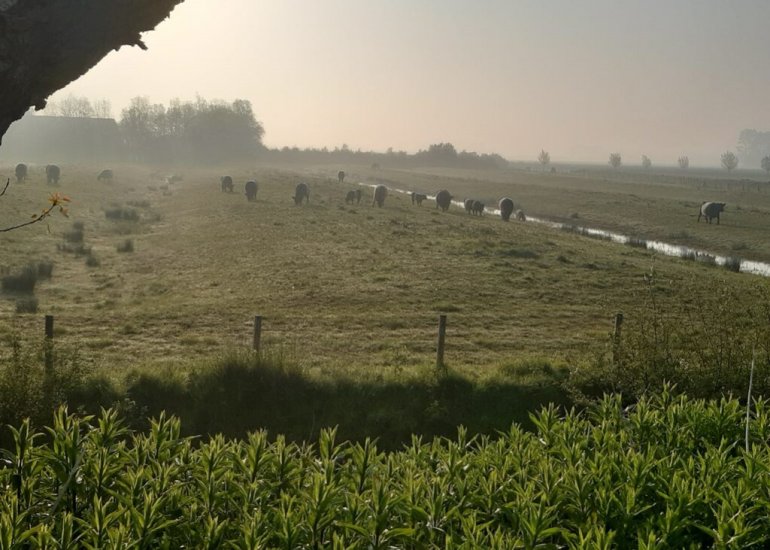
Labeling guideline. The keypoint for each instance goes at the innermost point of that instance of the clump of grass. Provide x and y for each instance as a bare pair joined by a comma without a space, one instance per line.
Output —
126,246
79,249
44,269
21,282
92,260
732,264
76,234
120,213
519,253
26,305
139,204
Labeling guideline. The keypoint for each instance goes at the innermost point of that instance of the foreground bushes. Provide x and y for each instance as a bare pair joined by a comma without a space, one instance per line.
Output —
672,472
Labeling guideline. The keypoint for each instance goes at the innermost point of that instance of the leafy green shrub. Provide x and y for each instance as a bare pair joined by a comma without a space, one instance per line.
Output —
666,473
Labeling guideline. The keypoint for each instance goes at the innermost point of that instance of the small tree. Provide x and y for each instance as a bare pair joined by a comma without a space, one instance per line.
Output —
615,160
729,161
544,158
684,162
646,162
766,164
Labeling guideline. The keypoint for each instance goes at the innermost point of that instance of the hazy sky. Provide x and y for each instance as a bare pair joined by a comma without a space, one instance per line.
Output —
580,79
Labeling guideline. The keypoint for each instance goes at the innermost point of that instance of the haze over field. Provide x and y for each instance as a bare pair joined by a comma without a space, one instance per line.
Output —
578,79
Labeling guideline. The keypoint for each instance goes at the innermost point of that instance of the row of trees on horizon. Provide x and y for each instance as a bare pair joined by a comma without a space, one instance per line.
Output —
218,131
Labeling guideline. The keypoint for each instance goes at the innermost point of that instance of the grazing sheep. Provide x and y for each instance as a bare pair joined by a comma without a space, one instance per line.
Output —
350,197
251,190
301,192
21,173
341,176
174,178
519,215
227,184
418,198
711,210
478,208
359,194
469,205
105,175
52,174
506,208
380,192
443,200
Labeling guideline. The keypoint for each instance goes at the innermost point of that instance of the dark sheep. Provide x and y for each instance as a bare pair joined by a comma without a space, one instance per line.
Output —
478,208
226,183
52,174
380,192
301,192
350,197
443,200
506,208
341,176
418,198
469,205
251,190
359,194
21,173
105,175
711,210
519,215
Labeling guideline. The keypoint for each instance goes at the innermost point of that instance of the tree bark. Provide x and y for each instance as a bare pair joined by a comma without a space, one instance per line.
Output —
46,44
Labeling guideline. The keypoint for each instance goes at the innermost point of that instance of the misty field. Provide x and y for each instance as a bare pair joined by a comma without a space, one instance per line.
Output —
165,273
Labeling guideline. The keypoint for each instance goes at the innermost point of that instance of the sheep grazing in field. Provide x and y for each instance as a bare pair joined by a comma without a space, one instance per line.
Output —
301,192
417,198
174,178
226,183
711,210
52,174
519,215
341,176
506,208
21,173
105,175
478,208
443,200
350,197
251,190
469,205
380,193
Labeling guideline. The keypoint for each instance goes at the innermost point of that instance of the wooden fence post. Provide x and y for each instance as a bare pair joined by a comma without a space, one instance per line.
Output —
441,339
616,336
257,332
49,342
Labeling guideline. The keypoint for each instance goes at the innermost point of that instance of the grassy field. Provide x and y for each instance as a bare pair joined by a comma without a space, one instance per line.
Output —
356,287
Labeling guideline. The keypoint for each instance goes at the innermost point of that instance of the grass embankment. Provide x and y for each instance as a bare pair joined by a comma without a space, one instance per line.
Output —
670,473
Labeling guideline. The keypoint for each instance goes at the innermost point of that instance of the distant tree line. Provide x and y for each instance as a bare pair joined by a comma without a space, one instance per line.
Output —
192,131
439,154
